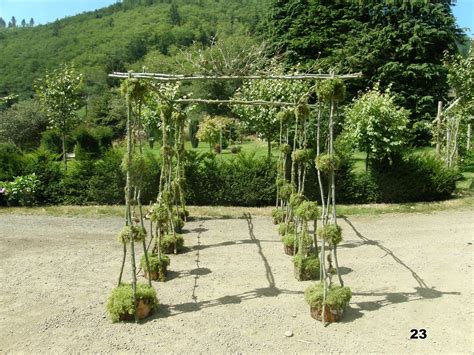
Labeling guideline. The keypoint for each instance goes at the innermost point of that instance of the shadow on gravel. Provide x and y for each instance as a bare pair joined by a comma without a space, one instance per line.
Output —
423,291
165,311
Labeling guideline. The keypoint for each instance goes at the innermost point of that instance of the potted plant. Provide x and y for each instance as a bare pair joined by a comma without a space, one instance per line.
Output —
120,305
158,266
172,243
336,300
306,267
178,224
278,215
289,243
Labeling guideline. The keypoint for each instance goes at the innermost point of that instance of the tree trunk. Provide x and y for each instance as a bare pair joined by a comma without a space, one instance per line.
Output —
63,138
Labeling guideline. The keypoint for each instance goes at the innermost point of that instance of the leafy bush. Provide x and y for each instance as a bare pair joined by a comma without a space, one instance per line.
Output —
51,140
307,210
168,242
120,304
11,161
49,172
22,124
337,297
87,144
193,129
157,264
413,177
307,267
107,184
22,190
235,149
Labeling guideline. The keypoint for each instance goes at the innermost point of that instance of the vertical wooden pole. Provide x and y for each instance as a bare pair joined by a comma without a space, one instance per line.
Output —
438,128
468,146
128,196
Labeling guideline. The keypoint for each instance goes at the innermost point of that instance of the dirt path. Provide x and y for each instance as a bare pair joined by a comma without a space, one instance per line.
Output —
234,291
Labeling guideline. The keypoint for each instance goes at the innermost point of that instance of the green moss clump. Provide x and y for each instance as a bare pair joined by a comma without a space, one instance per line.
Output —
128,232
168,242
331,233
288,240
332,88
156,264
158,213
285,148
286,190
302,111
283,229
178,223
301,155
134,89
286,116
296,199
307,266
327,163
120,304
337,297
307,210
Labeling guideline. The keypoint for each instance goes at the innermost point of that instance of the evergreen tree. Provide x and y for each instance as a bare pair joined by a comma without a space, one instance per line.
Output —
12,23
174,16
32,22
23,23
394,43
3,24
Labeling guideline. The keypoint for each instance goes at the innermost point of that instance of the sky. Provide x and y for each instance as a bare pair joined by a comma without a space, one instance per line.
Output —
44,11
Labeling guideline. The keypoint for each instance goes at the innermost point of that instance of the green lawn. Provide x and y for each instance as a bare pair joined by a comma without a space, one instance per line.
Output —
257,147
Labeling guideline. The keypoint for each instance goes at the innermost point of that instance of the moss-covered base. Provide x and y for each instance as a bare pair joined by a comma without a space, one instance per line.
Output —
302,274
331,315
289,250
120,306
170,243
157,275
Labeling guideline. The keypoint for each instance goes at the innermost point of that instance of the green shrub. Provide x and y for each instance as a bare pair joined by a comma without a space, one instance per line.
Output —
49,172
106,185
11,161
286,189
178,223
168,242
120,304
412,178
336,298
307,266
51,140
87,144
296,199
22,190
157,264
235,149
193,129
331,233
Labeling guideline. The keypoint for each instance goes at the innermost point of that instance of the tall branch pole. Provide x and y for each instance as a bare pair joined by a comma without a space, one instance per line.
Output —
438,128
128,204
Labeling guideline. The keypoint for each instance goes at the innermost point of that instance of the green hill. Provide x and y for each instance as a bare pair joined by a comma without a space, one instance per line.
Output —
118,37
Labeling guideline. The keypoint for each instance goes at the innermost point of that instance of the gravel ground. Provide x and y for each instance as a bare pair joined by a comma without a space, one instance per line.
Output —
234,291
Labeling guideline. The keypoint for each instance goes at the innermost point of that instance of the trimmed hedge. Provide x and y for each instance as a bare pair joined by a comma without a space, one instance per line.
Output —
244,180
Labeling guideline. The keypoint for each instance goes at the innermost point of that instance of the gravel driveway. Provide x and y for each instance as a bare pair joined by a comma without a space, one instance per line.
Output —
234,291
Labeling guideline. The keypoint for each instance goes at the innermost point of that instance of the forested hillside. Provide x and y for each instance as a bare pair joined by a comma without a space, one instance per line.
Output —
118,36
